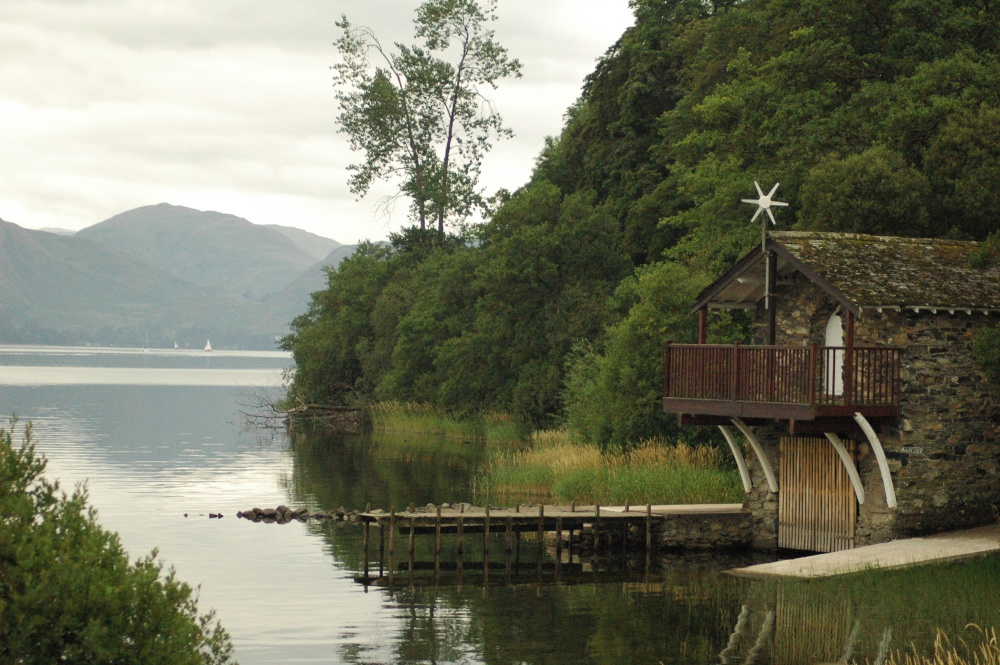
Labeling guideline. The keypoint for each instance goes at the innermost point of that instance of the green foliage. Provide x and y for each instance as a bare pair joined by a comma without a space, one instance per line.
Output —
986,351
416,115
875,191
613,394
330,340
68,592
876,117
988,254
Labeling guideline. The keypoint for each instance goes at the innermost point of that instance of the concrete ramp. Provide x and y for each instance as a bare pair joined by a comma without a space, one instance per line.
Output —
948,546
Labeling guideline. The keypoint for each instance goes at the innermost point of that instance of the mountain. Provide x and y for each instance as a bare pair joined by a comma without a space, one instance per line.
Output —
66,289
174,273
209,248
293,300
316,246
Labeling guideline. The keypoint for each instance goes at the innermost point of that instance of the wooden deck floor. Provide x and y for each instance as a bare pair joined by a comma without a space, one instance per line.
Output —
941,547
531,513
603,525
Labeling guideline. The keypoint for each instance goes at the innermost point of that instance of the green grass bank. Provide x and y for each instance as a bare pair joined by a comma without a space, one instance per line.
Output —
552,466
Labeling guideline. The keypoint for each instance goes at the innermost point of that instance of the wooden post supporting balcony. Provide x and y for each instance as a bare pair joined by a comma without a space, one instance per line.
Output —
734,389
666,371
812,373
849,361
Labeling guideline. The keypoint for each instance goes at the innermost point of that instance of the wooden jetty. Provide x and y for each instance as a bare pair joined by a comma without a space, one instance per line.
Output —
595,529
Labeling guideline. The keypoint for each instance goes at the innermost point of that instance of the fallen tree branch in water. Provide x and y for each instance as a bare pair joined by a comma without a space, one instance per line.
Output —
260,410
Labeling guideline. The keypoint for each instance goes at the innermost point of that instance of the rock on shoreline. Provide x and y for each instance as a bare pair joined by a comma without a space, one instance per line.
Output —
284,515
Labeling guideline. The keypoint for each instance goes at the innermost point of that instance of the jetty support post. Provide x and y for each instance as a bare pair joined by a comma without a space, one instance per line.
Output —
649,537
541,539
381,549
559,531
437,547
412,525
594,562
517,542
367,525
486,548
392,543
597,528
460,547
507,547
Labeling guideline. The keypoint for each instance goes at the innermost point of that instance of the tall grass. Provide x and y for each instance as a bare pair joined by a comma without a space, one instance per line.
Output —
425,420
984,652
555,467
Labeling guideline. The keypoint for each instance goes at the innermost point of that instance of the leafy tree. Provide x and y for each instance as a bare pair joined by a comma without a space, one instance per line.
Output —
549,264
875,192
419,118
68,592
963,163
876,117
613,394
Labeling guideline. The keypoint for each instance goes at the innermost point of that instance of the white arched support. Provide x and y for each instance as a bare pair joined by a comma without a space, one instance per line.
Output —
772,482
852,470
741,463
883,465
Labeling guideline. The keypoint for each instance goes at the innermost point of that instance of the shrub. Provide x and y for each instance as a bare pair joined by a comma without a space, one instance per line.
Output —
68,592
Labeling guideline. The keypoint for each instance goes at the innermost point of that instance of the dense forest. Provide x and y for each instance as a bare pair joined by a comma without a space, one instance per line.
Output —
876,116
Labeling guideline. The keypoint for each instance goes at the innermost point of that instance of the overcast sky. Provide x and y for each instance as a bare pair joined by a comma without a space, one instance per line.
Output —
228,105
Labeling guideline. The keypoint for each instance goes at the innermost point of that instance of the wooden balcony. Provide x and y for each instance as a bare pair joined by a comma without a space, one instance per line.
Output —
782,382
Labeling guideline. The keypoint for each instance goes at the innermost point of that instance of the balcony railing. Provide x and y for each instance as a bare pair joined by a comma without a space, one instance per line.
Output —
824,380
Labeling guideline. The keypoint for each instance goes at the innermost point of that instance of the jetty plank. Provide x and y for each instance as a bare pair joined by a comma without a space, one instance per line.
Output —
941,547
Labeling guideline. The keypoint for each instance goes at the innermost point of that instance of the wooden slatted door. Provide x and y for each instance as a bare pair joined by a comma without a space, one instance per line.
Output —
817,509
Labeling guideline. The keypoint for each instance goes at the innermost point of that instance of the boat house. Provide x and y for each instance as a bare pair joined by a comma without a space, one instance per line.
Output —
858,414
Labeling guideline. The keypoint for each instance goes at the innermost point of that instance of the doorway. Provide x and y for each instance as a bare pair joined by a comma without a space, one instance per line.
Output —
834,380
817,508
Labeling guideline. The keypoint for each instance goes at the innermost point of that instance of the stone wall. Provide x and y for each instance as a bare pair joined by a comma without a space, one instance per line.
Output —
761,503
943,454
715,531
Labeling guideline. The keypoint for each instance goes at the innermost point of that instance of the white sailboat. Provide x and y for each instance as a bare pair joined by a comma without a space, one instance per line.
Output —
208,345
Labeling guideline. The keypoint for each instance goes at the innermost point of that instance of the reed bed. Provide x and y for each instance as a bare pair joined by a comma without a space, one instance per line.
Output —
983,651
424,420
556,468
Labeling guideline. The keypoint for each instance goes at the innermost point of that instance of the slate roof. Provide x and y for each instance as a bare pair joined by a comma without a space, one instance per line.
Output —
867,272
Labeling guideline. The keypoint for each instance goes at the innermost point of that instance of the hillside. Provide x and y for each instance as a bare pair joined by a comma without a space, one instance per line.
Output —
315,246
69,290
209,248
178,274
875,117
280,308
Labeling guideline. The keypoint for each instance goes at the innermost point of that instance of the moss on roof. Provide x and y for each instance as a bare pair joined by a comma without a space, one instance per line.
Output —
879,271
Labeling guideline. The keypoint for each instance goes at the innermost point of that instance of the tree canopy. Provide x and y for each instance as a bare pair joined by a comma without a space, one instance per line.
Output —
876,116
420,114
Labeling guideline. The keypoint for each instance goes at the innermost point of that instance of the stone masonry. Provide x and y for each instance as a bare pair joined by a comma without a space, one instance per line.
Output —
943,453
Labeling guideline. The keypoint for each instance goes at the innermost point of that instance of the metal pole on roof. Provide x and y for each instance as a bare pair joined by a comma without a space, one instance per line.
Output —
764,203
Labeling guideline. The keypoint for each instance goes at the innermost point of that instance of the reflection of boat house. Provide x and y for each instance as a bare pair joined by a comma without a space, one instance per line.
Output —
865,415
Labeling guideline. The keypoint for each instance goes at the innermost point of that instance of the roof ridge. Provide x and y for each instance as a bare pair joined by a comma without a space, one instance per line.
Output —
834,235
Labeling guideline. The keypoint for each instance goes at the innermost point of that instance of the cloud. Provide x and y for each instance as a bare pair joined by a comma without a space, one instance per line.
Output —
228,105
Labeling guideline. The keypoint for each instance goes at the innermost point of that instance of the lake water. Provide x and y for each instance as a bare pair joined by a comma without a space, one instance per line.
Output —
159,438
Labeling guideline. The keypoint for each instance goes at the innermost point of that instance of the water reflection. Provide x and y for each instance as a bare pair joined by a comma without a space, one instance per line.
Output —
287,593
387,470
685,609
